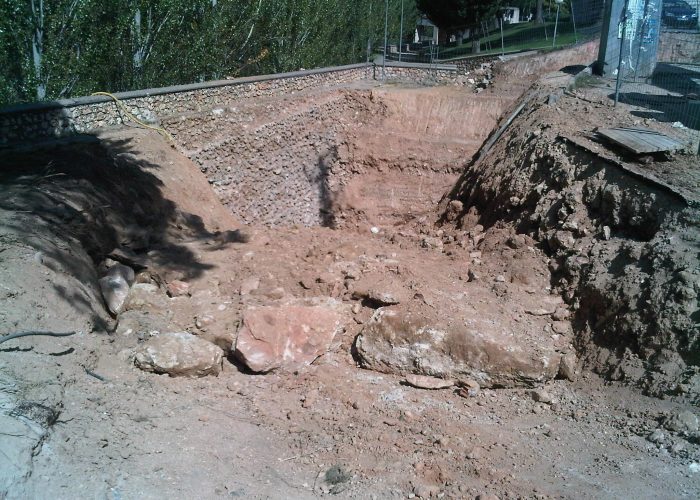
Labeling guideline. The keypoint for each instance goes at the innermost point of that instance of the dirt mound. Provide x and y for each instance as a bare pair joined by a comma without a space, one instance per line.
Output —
622,246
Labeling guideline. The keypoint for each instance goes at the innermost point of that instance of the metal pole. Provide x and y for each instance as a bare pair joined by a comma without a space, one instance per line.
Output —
503,50
573,20
556,23
386,36
369,33
401,32
622,47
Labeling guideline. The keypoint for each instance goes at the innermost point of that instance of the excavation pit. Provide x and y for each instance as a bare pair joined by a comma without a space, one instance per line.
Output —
348,235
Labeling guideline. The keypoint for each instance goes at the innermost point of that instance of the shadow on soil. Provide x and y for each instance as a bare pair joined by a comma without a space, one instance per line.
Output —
75,202
678,79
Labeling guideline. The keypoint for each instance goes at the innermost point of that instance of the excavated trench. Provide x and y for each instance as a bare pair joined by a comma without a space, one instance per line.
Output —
341,156
384,158
364,207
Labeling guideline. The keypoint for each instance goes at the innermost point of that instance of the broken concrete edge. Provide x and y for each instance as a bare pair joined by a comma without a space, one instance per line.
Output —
174,89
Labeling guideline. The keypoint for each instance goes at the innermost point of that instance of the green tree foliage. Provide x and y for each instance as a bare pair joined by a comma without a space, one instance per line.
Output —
52,49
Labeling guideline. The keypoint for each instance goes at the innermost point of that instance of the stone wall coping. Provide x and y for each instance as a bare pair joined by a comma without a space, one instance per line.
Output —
175,89
439,67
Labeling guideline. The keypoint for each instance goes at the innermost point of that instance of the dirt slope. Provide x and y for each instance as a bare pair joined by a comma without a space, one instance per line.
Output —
621,232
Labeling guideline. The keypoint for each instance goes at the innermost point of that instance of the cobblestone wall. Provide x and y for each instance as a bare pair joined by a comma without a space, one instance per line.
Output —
280,167
29,123
35,122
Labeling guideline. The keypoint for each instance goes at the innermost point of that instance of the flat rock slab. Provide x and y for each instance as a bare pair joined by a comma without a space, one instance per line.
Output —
179,354
288,336
440,344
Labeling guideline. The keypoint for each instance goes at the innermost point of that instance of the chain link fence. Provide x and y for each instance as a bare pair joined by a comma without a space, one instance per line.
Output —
512,29
658,69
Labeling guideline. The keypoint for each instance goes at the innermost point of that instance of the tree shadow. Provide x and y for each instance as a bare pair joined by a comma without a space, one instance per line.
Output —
75,201
320,178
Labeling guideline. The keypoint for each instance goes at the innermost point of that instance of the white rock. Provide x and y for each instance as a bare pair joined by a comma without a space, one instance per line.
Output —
179,354
115,287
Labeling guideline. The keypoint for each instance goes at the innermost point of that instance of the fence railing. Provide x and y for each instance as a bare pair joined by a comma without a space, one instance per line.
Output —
502,34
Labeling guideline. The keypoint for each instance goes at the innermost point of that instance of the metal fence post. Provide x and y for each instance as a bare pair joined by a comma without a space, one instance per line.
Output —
622,48
386,36
556,23
503,50
401,32
573,20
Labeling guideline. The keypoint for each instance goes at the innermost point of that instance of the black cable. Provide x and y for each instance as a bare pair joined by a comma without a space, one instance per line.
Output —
27,334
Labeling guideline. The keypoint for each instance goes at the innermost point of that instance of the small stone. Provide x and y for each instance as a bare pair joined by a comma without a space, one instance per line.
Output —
539,312
487,496
424,382
500,279
561,314
657,436
682,422
177,288
541,396
276,293
203,321
432,243
472,275
606,233
567,366
426,491
454,210
307,282
475,453
468,388
561,327
678,447
374,230
249,285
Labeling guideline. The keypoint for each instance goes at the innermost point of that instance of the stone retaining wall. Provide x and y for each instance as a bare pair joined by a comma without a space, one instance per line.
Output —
47,120
422,74
34,122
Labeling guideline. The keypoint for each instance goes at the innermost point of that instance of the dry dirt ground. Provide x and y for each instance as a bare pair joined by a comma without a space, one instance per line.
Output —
80,420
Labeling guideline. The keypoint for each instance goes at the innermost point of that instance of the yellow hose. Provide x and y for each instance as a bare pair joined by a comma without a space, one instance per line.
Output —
123,109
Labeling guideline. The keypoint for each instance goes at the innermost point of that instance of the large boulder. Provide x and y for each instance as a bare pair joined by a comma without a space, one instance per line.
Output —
286,336
179,354
404,339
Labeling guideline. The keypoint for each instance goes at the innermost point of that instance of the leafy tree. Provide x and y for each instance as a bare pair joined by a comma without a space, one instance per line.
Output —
51,49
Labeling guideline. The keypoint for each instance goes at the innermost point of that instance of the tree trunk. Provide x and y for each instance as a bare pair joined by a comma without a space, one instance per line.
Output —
539,15
476,41
138,46
38,46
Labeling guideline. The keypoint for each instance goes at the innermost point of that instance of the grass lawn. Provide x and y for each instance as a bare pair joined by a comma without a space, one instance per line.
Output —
516,38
